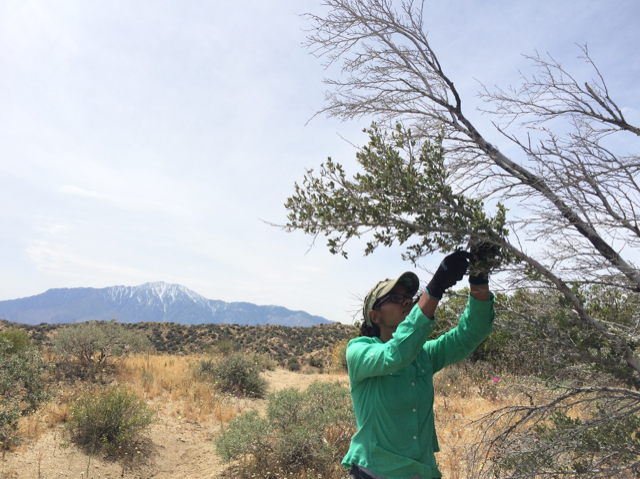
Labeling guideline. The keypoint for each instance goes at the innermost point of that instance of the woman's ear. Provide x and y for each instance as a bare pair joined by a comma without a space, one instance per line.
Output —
374,316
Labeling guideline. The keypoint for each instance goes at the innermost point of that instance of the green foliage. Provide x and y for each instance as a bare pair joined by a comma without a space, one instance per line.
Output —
314,362
404,192
246,434
112,422
22,388
303,431
293,365
504,349
264,361
225,347
239,375
98,342
537,332
18,339
206,368
559,344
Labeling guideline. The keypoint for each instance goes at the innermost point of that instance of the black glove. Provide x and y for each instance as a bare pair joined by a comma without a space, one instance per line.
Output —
451,270
483,258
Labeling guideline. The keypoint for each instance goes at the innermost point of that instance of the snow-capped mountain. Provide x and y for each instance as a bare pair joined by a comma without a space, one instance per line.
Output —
158,301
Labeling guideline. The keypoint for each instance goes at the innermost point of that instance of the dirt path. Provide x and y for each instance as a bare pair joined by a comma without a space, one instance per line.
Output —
173,448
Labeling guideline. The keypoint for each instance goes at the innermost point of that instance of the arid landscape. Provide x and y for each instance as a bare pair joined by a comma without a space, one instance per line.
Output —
190,414
179,445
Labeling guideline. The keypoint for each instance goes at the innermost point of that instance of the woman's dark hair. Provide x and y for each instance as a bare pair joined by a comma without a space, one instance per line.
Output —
372,331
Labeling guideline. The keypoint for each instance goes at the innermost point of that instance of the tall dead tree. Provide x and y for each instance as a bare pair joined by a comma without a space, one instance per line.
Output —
429,172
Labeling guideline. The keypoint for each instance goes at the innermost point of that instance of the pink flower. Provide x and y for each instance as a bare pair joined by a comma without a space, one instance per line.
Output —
495,380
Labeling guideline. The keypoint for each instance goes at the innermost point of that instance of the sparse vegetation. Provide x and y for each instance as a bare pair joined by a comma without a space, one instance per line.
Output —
507,371
278,342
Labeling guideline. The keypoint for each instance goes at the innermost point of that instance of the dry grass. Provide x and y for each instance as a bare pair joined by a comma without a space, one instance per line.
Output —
462,395
168,383
171,383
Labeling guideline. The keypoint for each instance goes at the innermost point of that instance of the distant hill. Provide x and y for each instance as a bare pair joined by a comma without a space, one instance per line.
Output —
150,302
311,346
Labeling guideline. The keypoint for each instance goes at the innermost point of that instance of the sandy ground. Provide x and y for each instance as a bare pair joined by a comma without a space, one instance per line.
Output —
172,449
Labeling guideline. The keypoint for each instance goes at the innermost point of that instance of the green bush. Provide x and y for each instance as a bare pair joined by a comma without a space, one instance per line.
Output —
264,361
293,364
225,347
18,338
239,375
112,422
315,362
206,368
22,388
303,431
247,434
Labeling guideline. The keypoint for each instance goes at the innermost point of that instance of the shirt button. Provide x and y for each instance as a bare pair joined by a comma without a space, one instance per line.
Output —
423,370
413,384
414,410
371,354
415,437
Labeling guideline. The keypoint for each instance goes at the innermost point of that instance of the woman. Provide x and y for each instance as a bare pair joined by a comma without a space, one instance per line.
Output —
391,367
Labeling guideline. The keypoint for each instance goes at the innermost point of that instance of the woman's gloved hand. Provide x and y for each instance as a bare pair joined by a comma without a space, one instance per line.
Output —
483,258
451,270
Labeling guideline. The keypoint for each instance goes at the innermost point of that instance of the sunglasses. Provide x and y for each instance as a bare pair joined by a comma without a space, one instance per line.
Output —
394,298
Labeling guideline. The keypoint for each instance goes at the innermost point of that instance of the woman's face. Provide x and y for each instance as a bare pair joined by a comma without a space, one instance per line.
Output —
390,314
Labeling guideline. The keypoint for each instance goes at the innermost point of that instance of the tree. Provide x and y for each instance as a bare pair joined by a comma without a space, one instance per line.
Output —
430,174
98,342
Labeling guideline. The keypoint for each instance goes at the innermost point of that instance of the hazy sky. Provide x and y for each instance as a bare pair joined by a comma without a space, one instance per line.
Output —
144,141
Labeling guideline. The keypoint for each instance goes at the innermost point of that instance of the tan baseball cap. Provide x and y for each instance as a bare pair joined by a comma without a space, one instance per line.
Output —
409,280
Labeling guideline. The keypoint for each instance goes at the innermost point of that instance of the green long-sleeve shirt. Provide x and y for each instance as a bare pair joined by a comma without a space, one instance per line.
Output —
392,390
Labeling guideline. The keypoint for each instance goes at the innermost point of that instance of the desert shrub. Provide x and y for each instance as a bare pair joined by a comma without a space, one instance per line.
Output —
303,431
315,362
19,340
237,374
112,422
98,342
293,364
206,368
264,361
22,388
225,347
339,356
247,434
576,446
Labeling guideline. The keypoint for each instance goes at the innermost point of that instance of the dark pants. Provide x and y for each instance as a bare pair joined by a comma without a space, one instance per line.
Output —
358,473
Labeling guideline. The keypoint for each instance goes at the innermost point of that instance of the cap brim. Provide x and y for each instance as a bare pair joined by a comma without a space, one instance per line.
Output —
408,279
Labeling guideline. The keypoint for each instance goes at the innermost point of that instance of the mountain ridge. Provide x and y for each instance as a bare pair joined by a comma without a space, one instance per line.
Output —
156,301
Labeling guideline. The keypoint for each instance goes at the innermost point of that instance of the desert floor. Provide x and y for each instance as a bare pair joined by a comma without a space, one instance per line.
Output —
180,444
174,448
